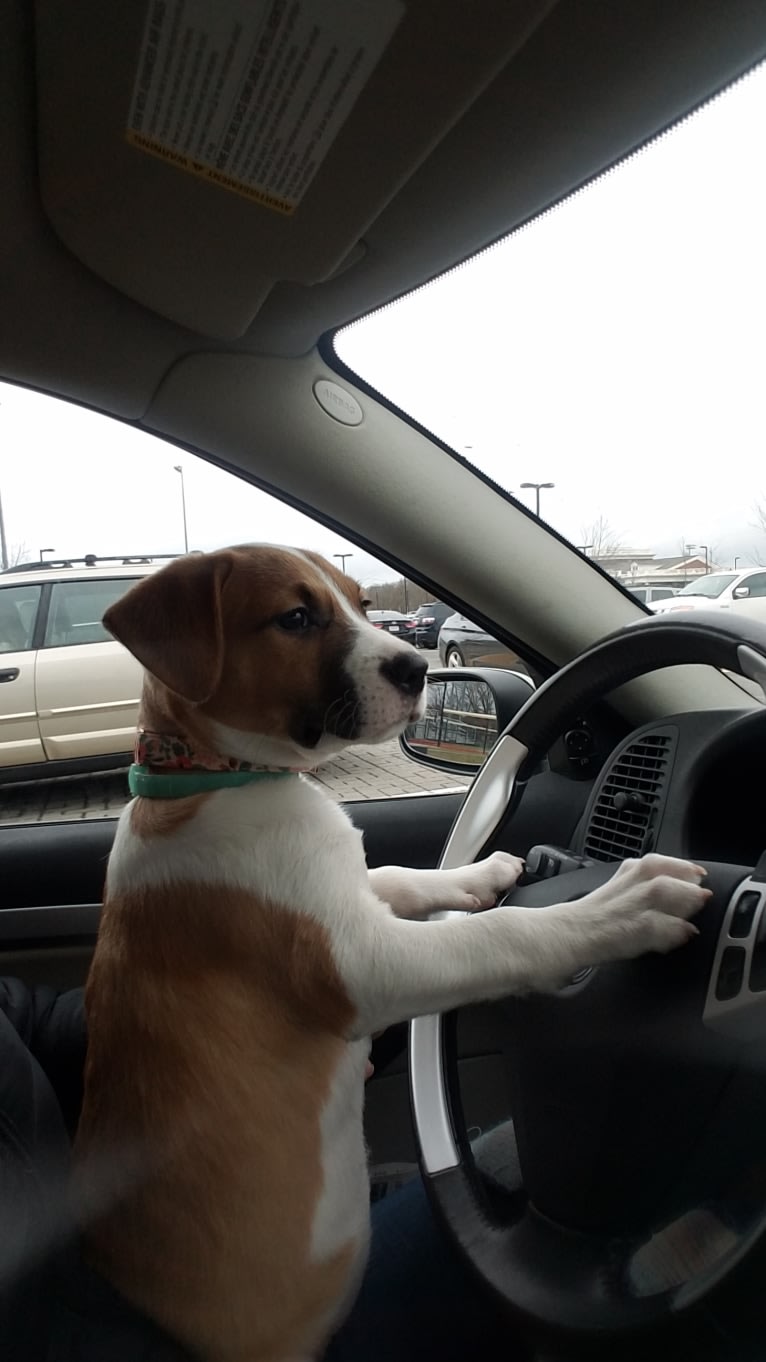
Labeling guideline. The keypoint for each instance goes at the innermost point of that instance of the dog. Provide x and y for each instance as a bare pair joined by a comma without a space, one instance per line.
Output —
246,954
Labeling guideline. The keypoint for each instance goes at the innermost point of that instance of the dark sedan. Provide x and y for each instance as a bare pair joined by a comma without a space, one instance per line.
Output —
392,621
426,622
464,644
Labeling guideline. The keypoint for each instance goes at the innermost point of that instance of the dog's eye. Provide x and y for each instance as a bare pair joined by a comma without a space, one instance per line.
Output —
294,621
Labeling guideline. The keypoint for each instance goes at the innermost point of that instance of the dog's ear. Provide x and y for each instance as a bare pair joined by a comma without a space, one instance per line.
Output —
171,622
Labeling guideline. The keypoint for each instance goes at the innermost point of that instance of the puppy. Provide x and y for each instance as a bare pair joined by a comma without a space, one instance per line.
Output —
246,955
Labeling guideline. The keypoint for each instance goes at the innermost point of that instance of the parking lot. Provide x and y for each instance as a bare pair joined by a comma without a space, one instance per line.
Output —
360,773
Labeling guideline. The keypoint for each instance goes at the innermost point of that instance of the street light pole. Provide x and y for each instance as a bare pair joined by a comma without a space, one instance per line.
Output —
179,469
537,488
3,540
42,551
343,557
706,551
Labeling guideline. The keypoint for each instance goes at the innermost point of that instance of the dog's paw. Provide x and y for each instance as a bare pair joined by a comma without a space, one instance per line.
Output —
480,885
645,906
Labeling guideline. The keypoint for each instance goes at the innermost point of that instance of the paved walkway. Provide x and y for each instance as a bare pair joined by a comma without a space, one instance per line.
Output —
364,773
361,773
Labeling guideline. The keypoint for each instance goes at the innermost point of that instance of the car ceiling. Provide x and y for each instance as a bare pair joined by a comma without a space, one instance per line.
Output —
153,295
475,118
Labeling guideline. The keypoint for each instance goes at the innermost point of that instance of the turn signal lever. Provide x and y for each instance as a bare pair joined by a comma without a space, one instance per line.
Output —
543,862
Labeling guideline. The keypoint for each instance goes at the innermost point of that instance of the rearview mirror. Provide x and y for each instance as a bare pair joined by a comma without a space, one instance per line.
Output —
740,592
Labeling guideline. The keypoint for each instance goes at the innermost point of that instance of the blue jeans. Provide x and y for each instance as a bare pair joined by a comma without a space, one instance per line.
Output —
417,1301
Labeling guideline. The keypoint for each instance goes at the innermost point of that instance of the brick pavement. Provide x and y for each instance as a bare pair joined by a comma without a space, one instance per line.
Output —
364,773
361,773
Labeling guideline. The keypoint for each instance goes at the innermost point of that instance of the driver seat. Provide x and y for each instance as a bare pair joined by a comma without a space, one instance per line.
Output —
53,1307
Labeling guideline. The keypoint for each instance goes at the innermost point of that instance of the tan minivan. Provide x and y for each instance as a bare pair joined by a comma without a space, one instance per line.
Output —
68,691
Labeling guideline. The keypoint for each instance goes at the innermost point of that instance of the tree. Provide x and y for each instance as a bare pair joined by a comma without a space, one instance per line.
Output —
601,539
397,595
17,553
759,524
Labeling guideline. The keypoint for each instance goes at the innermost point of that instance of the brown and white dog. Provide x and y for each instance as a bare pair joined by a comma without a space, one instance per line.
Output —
246,955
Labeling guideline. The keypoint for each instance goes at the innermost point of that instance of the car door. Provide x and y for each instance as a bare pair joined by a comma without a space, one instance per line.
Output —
88,686
19,730
481,650
754,603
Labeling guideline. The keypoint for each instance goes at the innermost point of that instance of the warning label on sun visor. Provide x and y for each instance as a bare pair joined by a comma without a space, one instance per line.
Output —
251,94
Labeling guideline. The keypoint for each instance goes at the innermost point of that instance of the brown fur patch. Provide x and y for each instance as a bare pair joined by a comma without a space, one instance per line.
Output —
216,1023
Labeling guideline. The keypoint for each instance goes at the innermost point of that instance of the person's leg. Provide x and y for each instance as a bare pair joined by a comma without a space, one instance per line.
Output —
417,1301
33,1170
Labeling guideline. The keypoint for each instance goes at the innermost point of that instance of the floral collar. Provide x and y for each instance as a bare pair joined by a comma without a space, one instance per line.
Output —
168,767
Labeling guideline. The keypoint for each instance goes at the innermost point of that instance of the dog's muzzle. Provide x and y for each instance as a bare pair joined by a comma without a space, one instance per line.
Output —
408,674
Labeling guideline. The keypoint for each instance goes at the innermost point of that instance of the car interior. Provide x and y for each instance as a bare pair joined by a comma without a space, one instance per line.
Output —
177,299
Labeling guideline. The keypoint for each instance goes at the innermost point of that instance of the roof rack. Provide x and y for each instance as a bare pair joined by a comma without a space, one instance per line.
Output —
90,560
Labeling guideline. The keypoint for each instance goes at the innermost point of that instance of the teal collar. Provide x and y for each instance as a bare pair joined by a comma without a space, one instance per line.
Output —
168,766
179,784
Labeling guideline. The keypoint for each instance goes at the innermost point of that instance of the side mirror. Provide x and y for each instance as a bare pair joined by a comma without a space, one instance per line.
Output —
466,711
740,592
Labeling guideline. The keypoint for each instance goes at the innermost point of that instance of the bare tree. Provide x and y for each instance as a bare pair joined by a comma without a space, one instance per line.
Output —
759,510
17,553
600,539
398,595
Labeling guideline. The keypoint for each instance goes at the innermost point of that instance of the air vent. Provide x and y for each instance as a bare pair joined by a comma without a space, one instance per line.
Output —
629,800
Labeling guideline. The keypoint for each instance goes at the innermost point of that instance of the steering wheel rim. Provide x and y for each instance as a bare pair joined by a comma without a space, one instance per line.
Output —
596,1285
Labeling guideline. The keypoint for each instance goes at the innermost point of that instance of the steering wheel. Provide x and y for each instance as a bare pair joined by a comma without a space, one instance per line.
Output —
639,1112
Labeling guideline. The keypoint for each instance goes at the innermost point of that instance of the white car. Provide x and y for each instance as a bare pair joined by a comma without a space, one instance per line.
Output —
743,591
68,691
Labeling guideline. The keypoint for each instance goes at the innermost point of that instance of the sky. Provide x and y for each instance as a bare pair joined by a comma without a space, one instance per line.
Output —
614,347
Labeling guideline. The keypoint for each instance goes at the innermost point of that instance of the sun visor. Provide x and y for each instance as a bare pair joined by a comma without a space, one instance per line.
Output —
194,152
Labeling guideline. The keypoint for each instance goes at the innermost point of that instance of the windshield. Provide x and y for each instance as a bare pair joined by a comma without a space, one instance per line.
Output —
602,360
709,586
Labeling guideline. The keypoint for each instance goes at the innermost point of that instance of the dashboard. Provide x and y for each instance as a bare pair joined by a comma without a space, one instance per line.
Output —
691,786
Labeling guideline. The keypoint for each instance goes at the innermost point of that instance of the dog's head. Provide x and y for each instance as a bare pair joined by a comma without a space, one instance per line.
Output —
267,652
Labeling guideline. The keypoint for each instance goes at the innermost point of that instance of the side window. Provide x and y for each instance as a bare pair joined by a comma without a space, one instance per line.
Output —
756,584
18,612
76,610
195,507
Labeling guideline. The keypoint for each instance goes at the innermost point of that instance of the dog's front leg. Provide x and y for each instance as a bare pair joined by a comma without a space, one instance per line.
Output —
416,893
399,969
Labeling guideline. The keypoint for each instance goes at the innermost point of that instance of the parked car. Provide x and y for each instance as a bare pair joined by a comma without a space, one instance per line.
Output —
393,621
650,595
465,644
68,691
743,591
427,621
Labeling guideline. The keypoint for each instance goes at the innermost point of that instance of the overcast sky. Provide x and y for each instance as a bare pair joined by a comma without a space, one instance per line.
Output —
615,348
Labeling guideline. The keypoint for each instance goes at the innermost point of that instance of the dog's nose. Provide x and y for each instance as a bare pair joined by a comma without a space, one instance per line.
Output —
405,672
